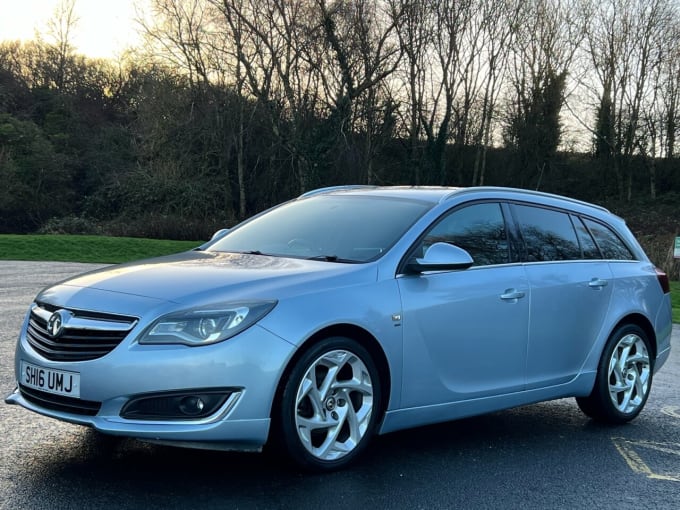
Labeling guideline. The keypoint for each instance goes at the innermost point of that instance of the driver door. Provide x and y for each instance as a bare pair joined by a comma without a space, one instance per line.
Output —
465,332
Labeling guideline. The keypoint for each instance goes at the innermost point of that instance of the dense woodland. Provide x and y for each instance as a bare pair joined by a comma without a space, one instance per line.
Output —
232,106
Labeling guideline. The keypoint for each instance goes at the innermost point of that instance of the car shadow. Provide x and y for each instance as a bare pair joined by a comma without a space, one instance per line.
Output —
104,471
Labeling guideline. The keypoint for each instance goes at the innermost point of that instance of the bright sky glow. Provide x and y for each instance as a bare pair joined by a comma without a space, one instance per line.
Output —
104,29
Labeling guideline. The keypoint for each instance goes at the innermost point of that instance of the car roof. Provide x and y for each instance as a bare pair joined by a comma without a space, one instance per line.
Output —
439,194
433,194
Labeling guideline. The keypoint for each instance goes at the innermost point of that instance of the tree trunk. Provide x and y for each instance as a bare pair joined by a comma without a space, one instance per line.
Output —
240,170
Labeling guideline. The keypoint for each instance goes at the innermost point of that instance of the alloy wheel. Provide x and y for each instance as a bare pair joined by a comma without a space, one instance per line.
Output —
334,404
629,374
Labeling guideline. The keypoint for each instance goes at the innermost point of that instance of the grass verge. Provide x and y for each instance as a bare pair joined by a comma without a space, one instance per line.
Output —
675,301
73,248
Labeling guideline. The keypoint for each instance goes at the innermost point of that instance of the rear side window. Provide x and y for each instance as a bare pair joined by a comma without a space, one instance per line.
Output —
548,235
479,229
590,249
610,244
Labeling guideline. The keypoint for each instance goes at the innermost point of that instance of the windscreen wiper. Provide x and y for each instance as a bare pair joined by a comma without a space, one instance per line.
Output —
332,258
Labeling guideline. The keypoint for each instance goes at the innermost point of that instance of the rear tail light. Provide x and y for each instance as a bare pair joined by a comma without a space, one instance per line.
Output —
663,281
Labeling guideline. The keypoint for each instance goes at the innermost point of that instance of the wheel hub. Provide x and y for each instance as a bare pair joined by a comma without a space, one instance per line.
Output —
331,403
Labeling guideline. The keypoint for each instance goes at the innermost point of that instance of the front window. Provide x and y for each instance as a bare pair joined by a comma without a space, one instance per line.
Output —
479,229
343,228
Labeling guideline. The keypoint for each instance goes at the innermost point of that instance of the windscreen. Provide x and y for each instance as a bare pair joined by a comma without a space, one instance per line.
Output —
342,228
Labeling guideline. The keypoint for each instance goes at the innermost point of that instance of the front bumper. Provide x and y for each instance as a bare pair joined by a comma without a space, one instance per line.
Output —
223,434
250,365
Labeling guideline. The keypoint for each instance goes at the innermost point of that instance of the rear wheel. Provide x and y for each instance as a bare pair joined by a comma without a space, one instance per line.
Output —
329,405
624,377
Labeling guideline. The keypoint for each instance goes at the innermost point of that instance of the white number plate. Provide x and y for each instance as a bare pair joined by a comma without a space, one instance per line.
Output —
59,382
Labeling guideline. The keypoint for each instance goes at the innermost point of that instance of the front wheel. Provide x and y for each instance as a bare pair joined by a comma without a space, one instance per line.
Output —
329,405
624,377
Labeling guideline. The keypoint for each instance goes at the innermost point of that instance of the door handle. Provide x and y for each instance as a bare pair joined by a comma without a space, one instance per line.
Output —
512,295
597,283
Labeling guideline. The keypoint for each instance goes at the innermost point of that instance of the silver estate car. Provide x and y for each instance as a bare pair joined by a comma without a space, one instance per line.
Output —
350,312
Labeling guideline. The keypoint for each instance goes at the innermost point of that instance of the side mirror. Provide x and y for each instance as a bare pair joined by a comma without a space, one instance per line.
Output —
215,237
219,234
441,257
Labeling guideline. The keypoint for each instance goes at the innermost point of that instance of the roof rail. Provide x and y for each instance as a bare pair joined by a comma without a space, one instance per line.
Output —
525,192
346,187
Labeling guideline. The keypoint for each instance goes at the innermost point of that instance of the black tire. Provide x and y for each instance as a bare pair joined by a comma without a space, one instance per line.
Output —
325,430
624,377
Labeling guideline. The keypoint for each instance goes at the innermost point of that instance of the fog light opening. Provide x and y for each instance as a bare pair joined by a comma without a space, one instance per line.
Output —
175,406
191,406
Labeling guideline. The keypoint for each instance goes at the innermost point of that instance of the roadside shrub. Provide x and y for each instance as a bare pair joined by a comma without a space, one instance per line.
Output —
75,225
659,249
163,226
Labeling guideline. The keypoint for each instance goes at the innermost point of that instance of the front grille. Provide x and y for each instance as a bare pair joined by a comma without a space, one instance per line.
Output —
86,335
60,403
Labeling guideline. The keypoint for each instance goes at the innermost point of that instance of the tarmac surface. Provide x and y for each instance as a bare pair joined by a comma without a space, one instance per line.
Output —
546,455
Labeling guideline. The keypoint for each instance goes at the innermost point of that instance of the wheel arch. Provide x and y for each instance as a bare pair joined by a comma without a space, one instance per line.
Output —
600,404
366,339
643,323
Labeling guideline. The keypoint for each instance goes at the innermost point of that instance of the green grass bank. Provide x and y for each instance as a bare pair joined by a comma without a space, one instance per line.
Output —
675,300
76,248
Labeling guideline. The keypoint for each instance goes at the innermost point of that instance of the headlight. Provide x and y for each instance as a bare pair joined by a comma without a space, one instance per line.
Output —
208,325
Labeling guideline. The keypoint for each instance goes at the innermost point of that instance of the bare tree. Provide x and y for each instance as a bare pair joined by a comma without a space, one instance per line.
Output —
362,36
499,26
415,33
452,29
182,37
548,37
275,46
50,60
659,105
60,28
623,45
455,61
668,83
176,32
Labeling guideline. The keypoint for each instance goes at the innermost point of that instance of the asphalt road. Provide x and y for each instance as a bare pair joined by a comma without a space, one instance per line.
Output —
542,456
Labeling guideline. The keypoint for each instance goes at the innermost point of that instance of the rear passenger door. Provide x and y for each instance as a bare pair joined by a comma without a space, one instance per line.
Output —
571,288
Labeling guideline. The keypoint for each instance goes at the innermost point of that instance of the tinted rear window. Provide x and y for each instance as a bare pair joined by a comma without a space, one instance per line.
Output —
548,235
610,244
590,249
